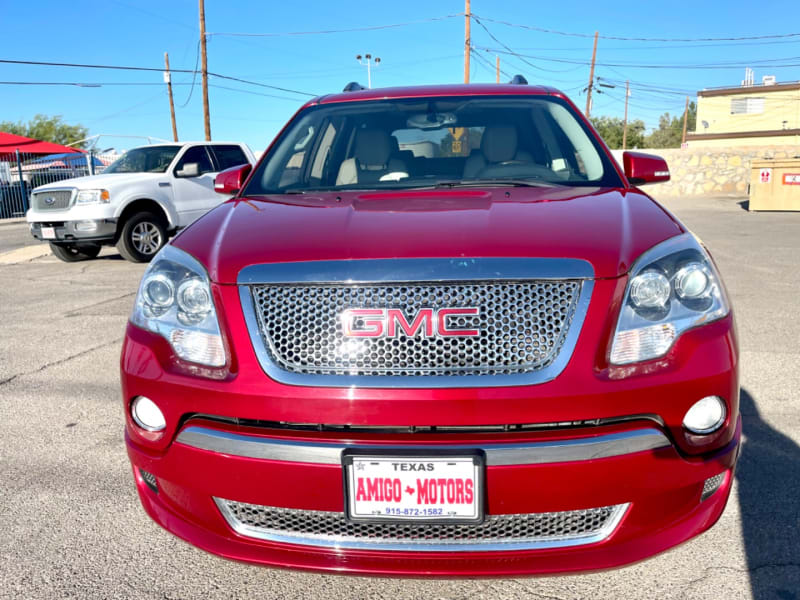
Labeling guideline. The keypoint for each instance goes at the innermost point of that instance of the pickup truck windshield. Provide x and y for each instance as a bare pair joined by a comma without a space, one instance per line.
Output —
152,159
430,142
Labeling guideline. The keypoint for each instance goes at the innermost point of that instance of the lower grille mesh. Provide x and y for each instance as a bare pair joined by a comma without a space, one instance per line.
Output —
497,532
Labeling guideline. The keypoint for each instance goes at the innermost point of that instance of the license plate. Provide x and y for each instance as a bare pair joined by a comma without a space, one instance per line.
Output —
388,487
48,233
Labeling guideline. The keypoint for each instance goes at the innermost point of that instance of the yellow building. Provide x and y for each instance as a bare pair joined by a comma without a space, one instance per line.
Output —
750,115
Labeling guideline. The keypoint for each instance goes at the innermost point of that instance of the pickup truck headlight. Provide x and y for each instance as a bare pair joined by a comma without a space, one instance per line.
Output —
93,197
175,301
674,287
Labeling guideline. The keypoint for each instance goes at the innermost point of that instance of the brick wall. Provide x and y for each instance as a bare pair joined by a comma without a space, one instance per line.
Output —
699,171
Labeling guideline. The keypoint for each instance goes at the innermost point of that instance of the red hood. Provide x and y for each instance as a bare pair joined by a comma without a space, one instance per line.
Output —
609,228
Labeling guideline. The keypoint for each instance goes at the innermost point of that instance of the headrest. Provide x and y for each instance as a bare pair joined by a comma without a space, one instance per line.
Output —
499,143
373,147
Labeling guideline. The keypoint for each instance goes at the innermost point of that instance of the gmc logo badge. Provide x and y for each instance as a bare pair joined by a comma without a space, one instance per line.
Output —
391,322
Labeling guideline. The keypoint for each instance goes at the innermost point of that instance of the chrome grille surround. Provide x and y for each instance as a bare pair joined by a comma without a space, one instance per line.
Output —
531,313
61,199
497,532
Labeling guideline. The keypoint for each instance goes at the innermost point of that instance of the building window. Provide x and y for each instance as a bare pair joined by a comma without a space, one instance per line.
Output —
747,106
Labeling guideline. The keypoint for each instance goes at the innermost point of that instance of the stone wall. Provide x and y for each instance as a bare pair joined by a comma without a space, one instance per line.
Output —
699,171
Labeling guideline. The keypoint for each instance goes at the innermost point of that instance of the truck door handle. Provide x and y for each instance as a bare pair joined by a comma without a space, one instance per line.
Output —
164,184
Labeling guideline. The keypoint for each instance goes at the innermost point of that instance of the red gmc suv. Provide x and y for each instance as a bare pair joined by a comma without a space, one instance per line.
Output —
436,331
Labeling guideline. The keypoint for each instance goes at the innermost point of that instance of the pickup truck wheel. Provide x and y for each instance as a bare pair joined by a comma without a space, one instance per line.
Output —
141,237
75,252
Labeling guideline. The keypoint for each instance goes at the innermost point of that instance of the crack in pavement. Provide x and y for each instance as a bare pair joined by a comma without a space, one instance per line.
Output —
709,570
60,361
77,311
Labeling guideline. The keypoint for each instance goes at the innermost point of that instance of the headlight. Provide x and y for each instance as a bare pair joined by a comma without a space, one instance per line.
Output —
674,287
93,197
174,300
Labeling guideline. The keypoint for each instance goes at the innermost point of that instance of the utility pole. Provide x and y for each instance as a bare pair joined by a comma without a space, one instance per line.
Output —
204,67
168,80
685,118
625,122
497,69
591,78
467,41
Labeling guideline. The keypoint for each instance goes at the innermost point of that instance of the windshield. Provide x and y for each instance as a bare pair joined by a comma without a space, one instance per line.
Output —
152,159
429,142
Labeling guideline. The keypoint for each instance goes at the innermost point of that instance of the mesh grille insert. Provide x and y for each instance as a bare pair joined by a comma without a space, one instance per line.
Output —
51,200
512,531
711,485
522,327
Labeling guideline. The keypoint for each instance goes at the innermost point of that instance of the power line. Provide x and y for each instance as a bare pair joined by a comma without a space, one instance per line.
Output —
483,61
638,39
491,35
739,65
194,75
329,31
150,69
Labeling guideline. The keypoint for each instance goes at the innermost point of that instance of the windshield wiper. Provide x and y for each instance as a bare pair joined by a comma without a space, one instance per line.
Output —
492,182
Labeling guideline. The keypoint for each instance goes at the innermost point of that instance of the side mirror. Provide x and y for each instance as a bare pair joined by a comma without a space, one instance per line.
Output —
189,170
641,168
230,181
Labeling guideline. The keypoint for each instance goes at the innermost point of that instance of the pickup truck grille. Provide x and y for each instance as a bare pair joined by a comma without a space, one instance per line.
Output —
51,199
522,326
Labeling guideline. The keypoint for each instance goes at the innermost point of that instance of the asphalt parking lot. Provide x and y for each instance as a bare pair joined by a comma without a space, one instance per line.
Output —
71,522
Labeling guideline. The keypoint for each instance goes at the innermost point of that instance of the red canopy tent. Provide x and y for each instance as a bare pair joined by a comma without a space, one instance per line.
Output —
10,143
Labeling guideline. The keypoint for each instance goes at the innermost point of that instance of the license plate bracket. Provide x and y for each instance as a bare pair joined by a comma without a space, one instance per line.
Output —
414,486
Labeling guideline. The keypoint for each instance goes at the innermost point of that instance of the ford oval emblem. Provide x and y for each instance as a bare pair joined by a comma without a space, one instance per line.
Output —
49,201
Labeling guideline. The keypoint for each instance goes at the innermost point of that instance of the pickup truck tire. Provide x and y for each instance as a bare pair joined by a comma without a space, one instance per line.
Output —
141,237
75,252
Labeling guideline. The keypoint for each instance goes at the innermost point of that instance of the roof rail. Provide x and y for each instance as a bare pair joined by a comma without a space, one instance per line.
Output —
353,86
518,80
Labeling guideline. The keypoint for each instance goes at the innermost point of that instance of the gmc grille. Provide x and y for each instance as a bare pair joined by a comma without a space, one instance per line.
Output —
522,327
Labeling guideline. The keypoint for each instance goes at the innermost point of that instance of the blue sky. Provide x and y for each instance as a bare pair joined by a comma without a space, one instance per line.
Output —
131,32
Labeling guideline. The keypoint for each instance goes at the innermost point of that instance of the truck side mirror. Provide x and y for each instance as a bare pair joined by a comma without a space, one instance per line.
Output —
189,170
641,168
230,181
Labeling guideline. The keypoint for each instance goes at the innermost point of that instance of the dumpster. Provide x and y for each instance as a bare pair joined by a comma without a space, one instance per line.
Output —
775,184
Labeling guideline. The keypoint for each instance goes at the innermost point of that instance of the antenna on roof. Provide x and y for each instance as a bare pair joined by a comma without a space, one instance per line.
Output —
353,86
518,80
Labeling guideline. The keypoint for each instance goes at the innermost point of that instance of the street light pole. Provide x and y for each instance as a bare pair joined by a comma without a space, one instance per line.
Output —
368,61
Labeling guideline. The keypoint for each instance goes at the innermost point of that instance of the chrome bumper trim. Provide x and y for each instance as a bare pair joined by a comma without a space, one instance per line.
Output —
523,453
417,270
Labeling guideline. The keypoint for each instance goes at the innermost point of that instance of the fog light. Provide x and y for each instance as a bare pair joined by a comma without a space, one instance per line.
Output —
706,415
147,415
86,226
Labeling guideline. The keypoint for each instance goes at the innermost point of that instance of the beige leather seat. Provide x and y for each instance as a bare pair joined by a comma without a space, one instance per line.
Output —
372,160
499,144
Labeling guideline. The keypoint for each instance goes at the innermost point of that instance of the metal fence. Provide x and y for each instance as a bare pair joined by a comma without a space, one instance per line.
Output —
21,173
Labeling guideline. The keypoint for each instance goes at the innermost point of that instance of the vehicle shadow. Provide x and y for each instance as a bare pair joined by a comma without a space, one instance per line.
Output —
768,476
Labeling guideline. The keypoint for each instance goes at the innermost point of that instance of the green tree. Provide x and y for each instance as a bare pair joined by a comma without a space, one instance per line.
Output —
611,128
48,129
670,129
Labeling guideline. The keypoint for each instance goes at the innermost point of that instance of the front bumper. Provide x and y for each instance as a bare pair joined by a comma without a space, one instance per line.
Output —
661,488
87,230
660,484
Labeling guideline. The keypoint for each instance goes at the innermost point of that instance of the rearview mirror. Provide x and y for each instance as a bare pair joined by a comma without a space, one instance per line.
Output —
189,170
641,168
230,181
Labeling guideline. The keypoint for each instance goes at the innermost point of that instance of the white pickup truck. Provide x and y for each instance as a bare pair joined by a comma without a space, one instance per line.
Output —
137,203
